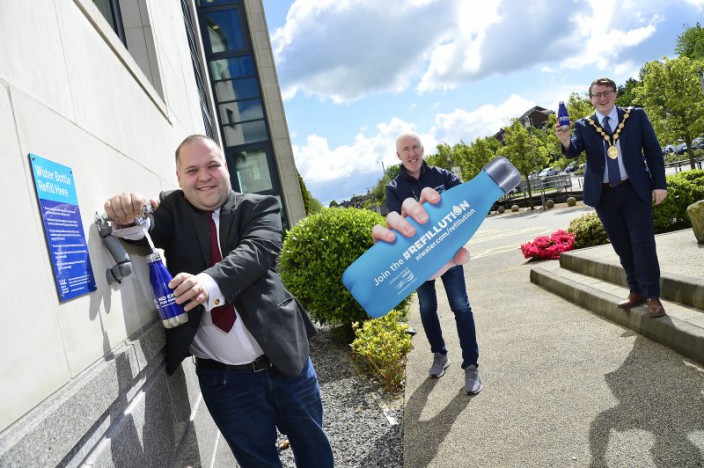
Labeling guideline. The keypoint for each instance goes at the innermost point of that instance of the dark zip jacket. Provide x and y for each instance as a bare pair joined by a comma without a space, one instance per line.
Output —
404,186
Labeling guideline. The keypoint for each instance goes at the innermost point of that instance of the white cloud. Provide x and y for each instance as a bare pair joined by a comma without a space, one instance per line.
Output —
600,42
461,125
343,50
317,162
336,173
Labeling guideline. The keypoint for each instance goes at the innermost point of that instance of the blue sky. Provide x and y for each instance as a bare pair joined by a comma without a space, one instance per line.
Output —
354,74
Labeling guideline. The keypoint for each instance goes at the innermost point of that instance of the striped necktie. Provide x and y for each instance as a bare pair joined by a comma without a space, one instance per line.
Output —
611,164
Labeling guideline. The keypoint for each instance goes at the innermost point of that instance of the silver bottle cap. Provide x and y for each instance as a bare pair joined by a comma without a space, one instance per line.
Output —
503,173
153,257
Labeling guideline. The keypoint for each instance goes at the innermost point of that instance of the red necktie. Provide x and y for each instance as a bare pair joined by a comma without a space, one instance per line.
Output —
223,316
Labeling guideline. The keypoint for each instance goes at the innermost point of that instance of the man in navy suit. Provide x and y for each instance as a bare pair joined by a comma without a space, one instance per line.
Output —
248,334
625,175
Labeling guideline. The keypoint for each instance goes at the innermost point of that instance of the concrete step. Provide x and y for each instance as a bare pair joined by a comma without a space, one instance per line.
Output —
601,288
683,289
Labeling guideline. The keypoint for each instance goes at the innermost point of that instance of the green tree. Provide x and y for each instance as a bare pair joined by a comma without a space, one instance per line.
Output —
691,43
672,96
521,152
315,205
626,94
379,190
443,157
579,106
473,158
307,197
310,203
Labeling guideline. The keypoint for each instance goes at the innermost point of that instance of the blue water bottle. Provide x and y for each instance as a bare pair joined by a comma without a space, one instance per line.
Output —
563,120
172,314
389,272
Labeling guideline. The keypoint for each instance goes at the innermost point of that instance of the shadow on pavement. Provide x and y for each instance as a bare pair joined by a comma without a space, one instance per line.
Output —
653,398
424,436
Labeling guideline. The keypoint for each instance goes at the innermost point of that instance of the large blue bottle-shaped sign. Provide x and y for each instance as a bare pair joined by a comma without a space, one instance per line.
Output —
171,313
390,271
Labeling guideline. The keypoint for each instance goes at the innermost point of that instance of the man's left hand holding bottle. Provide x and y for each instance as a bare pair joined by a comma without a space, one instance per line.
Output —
415,210
189,290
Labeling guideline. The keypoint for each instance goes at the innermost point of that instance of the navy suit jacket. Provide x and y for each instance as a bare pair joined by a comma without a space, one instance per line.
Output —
250,240
640,150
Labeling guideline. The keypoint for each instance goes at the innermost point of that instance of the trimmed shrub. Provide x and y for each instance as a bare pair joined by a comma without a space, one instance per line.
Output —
317,252
382,345
683,189
588,231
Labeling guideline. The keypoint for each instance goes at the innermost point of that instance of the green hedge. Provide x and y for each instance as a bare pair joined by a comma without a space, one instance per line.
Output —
588,231
317,252
683,189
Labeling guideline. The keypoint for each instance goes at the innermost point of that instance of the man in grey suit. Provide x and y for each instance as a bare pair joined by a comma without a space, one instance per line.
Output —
248,334
625,175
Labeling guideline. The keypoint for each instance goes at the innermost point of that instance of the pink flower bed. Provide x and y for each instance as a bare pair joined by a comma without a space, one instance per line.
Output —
549,247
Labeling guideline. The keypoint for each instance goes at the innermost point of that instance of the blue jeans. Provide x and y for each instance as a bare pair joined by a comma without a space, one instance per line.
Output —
248,407
453,279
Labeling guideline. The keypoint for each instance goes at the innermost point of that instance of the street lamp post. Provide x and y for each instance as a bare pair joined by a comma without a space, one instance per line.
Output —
383,169
701,77
528,124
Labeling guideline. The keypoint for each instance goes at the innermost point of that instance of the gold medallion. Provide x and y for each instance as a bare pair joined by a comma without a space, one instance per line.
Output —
612,152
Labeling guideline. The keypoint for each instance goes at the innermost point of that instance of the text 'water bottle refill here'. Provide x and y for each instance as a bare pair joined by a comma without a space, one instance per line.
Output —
389,272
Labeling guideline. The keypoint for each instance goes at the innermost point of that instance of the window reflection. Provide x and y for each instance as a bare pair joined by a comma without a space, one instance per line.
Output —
216,2
234,112
231,90
232,68
248,132
252,170
224,30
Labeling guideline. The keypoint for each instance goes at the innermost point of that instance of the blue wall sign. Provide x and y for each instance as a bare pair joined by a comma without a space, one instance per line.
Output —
63,227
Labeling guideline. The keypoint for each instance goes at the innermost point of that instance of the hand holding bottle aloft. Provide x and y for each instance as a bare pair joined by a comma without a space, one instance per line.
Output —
562,129
415,210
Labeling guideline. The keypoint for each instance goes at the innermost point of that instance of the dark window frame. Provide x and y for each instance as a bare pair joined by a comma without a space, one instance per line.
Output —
267,144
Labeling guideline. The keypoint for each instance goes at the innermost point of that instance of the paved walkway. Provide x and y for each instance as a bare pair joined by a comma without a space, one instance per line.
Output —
563,387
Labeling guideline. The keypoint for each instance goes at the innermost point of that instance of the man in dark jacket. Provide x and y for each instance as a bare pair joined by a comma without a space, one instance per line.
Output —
248,334
625,175
415,175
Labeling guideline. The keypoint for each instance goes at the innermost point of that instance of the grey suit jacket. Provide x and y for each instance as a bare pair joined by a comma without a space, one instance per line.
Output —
250,240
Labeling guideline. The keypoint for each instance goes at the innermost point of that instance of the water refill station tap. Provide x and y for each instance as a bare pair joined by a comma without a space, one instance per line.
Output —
123,264
171,313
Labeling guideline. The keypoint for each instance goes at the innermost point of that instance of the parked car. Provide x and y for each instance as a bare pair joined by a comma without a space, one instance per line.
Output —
571,167
681,149
547,172
668,149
